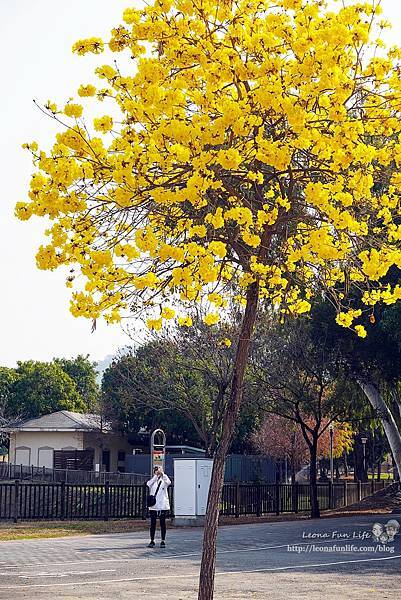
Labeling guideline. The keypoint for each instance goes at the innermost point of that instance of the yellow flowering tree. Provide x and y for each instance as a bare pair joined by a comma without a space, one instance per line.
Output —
251,153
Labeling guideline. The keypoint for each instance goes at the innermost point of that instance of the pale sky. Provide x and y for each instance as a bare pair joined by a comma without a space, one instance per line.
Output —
35,45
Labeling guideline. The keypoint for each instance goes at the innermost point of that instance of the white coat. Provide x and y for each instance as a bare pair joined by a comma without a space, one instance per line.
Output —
162,501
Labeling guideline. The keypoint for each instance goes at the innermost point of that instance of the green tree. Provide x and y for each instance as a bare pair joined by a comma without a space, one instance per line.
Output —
180,382
42,388
374,362
137,392
83,372
8,377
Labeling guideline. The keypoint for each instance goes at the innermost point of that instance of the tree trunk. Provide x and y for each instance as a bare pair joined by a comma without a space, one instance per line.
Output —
208,564
396,473
359,466
389,425
379,470
314,500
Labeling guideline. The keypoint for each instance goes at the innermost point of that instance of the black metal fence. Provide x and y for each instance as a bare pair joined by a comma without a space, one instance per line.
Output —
10,472
31,501
259,499
34,501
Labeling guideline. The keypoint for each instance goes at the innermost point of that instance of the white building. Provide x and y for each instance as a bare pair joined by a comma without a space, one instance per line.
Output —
67,439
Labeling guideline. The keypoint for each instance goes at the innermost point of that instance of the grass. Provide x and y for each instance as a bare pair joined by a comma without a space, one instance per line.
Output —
382,476
51,529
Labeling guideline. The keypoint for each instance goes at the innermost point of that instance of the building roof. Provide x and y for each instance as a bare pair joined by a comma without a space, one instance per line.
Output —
64,420
184,449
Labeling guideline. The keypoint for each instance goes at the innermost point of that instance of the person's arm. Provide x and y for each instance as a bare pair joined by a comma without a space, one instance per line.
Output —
166,480
151,481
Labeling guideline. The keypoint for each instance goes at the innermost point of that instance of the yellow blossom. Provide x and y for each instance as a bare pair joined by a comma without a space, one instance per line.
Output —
73,110
250,153
168,313
93,44
211,319
155,324
185,321
229,159
218,249
346,319
103,124
361,331
86,90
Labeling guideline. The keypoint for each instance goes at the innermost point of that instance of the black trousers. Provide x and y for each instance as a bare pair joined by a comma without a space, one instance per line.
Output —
162,514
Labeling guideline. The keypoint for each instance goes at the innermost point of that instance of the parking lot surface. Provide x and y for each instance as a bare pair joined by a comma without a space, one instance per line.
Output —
328,558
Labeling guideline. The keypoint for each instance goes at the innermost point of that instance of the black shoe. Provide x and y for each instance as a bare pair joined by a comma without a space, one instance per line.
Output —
151,545
162,544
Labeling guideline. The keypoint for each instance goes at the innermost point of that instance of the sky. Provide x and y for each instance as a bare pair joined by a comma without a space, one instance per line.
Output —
35,45
36,37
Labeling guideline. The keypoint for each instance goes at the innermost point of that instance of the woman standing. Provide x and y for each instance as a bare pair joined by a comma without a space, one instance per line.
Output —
158,487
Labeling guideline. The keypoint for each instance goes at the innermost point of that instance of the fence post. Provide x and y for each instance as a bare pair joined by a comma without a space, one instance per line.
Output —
359,491
106,501
330,495
237,499
62,501
345,494
144,504
258,500
277,497
295,496
372,485
31,472
16,500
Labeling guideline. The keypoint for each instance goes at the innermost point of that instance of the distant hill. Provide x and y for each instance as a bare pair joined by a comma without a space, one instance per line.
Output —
102,365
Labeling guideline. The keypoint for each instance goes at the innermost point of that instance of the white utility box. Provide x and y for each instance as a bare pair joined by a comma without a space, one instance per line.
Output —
191,487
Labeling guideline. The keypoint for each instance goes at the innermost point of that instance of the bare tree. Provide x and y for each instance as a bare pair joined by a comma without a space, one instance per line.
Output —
187,370
300,383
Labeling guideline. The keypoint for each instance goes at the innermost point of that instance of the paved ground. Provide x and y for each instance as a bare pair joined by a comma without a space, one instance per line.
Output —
270,560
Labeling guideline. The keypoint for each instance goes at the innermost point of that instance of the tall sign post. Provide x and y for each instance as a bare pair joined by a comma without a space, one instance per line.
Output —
157,449
331,451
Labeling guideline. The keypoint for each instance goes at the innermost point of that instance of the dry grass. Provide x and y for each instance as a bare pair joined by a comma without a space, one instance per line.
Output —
384,501
50,529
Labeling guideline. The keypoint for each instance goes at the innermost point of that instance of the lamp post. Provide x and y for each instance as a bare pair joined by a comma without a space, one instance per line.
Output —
364,440
331,451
